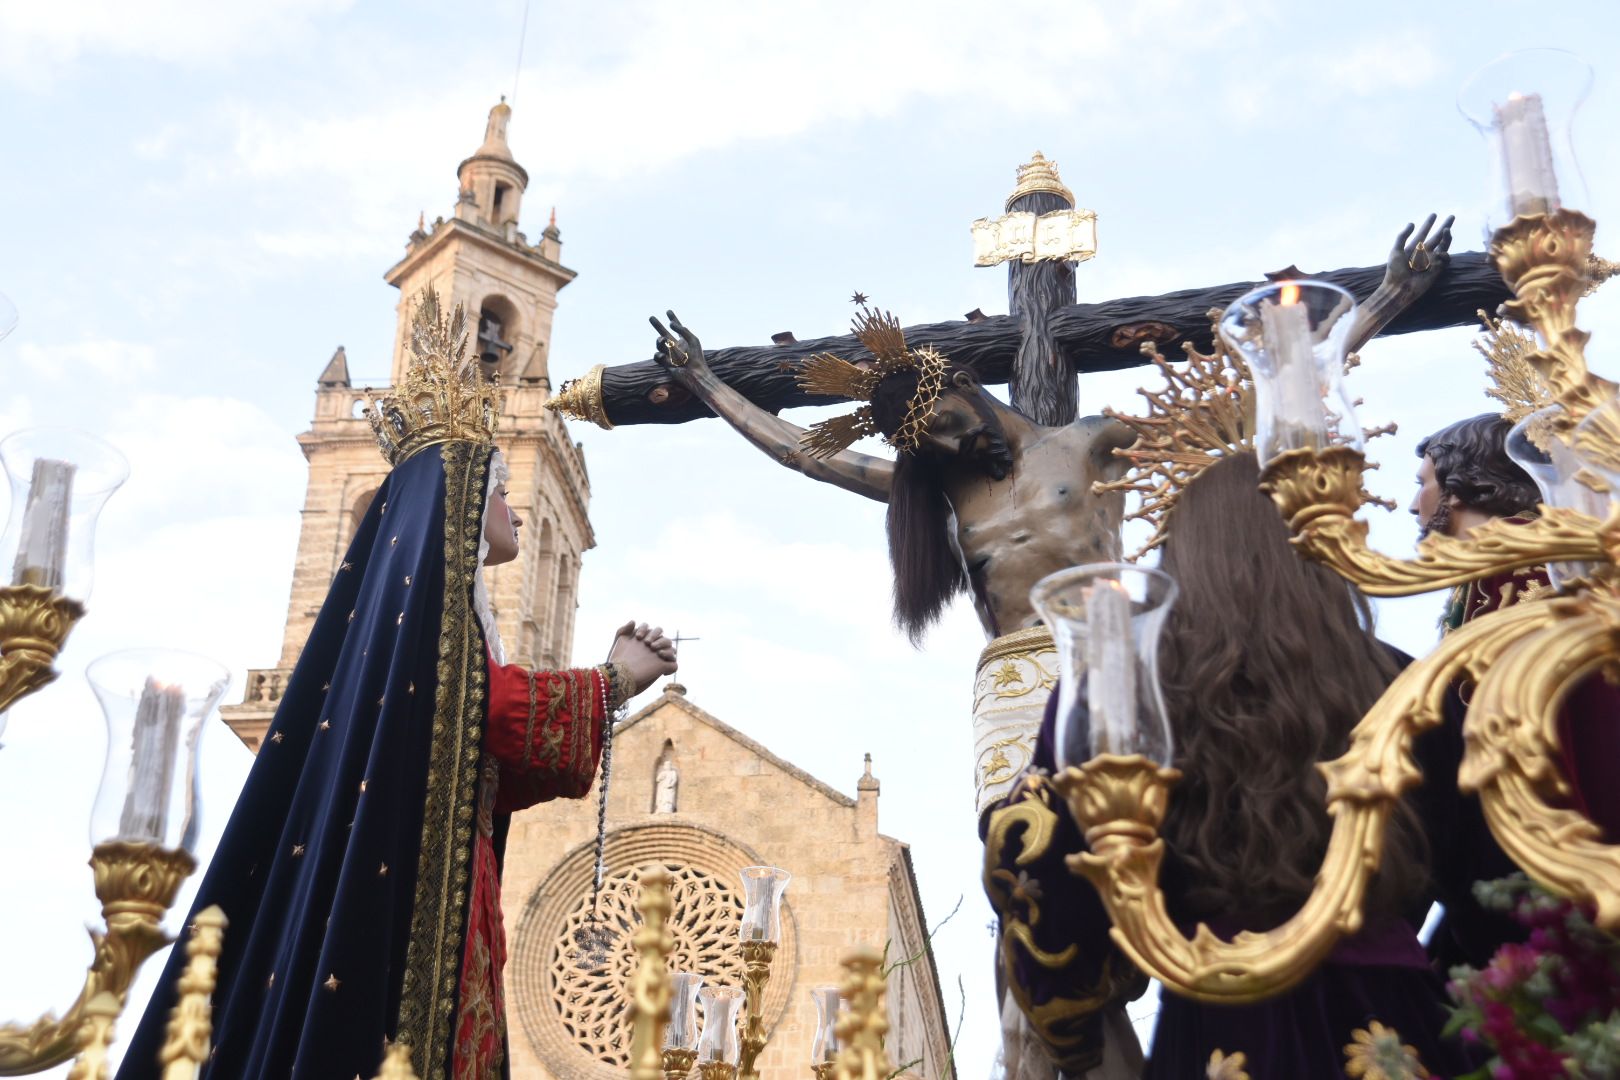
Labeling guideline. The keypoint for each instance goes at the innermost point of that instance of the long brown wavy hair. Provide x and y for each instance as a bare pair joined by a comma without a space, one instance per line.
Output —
1268,661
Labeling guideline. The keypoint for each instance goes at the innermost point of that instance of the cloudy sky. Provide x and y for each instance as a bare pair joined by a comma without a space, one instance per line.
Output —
200,199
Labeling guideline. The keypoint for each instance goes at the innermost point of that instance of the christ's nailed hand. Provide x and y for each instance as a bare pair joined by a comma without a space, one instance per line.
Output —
645,651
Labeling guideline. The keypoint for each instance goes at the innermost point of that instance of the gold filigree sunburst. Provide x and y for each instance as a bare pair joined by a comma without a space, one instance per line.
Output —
1204,412
1515,382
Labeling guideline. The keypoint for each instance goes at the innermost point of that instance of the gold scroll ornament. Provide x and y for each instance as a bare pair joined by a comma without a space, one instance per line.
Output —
1059,236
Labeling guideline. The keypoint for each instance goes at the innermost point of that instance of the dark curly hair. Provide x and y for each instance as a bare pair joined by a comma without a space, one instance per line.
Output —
1267,663
1471,464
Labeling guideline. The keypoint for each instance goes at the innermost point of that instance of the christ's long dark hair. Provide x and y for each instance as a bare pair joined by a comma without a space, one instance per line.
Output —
927,565
1267,663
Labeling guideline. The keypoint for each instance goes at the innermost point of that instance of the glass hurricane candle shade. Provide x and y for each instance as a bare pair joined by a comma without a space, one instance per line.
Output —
60,479
1106,619
1558,469
1292,335
825,1047
719,1041
682,1030
156,703
1524,104
763,887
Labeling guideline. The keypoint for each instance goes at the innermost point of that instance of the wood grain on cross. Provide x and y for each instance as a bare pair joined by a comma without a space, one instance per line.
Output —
1089,337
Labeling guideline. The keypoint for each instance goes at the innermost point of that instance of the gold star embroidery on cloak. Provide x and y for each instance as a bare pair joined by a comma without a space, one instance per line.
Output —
270,983
298,849
277,737
382,871
332,982
384,509
363,787
1224,1066
393,541
351,616
325,687
381,700
346,566
325,724
411,688
401,620
407,580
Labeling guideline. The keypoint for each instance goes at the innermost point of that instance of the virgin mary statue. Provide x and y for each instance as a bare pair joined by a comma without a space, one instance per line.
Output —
360,868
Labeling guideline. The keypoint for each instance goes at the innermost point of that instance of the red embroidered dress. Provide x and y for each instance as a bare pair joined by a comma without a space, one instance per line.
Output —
543,741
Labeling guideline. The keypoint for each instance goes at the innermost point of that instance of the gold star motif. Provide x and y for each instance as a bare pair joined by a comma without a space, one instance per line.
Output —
384,509
325,687
270,984
277,737
381,700
351,616
325,724
363,784
346,566
332,982
407,580
410,689
298,850
401,620
382,871
858,298
393,541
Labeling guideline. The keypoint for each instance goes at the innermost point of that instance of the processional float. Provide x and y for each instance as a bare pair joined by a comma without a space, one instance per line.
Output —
1287,341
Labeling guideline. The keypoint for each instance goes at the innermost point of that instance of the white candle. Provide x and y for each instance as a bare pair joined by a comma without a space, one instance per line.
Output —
1110,668
151,765
1286,335
1527,155
42,548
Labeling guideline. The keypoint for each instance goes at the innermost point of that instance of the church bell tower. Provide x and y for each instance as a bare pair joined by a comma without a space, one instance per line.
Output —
481,259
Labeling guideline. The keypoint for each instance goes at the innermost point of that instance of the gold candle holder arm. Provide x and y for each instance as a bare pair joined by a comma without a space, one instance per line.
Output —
397,1064
650,989
677,1063
136,884
1319,491
1120,802
34,623
191,1028
757,957
1510,748
863,1023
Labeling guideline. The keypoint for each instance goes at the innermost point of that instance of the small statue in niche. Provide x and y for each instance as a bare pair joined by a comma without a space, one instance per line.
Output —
665,783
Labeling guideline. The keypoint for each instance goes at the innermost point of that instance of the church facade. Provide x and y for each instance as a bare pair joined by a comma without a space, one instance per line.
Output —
690,792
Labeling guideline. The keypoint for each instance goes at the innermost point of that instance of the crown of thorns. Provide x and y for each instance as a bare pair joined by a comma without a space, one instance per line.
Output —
834,376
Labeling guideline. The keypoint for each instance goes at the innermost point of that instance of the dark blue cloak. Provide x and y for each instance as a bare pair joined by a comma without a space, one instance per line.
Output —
344,869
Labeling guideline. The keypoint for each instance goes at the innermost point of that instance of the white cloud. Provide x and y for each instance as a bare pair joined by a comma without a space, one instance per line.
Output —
36,38
104,358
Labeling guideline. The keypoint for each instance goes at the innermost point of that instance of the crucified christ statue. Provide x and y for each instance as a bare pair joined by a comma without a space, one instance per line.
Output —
988,501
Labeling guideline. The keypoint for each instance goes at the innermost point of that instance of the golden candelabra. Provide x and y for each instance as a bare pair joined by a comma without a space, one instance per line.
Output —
136,884
186,1045
650,984
34,623
864,1021
861,1025
1524,660
757,957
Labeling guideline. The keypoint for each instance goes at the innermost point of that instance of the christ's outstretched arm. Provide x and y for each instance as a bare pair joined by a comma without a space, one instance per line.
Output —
681,354
1414,264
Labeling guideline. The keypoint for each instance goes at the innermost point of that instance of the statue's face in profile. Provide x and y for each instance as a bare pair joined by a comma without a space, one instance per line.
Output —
1430,498
501,525
965,429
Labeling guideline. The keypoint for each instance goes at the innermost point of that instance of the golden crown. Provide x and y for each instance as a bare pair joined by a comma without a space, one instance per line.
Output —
1039,174
834,376
1204,412
443,396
